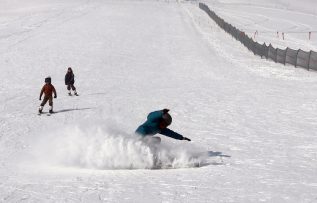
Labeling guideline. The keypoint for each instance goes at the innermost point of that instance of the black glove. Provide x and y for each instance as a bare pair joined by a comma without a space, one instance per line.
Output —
185,138
55,96
40,98
165,111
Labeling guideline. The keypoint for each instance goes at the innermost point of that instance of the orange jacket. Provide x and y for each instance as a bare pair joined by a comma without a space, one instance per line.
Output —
48,90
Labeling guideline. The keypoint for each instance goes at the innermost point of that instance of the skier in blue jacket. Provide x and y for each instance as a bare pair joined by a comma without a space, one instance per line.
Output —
157,122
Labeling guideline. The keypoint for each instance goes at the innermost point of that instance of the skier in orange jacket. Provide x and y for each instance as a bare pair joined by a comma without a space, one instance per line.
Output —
48,89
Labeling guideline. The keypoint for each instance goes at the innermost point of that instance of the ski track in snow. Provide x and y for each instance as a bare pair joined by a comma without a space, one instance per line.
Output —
252,122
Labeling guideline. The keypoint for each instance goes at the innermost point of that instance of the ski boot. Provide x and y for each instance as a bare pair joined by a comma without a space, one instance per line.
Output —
51,109
75,93
40,109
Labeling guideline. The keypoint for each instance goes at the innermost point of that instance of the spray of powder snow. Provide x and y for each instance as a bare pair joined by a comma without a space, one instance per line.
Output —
98,148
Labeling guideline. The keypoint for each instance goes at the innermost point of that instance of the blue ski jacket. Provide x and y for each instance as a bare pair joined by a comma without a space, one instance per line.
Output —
151,127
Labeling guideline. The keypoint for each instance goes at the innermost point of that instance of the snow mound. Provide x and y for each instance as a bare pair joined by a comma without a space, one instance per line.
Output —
99,148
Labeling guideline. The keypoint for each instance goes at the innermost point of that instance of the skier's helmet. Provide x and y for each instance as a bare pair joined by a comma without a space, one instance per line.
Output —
48,79
69,69
167,119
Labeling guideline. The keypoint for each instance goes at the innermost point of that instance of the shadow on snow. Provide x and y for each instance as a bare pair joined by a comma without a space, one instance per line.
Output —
219,154
73,109
215,163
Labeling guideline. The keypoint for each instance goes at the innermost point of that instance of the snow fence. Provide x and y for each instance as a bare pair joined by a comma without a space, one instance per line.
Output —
298,58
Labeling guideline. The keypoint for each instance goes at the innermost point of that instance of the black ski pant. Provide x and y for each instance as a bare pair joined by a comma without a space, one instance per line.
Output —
71,86
49,99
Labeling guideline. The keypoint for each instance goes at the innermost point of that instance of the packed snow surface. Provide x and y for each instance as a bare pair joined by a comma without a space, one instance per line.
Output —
252,122
267,20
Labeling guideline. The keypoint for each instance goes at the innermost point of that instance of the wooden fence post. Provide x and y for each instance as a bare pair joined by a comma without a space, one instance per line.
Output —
296,58
285,56
309,60
266,50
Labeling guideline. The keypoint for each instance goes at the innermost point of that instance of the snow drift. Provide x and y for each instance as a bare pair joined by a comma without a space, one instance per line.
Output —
100,148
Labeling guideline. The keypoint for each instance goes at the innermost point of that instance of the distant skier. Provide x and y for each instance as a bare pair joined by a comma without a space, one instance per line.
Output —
69,81
48,89
157,122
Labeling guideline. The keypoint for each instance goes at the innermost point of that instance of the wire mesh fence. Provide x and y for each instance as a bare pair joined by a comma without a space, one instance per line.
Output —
298,58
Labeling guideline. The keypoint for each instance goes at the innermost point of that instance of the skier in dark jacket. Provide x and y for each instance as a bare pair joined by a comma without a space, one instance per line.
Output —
157,122
69,81
48,89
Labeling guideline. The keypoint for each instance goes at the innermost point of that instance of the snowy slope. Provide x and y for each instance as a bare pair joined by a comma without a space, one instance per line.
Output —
252,122
293,18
